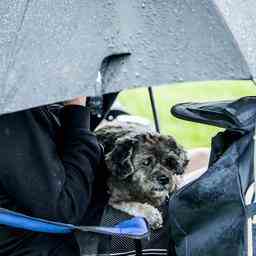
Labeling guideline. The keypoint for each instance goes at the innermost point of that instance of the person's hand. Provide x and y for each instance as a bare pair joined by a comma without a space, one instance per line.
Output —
81,101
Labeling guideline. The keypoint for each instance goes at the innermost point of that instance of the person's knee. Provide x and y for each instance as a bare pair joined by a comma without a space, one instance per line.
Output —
198,158
197,166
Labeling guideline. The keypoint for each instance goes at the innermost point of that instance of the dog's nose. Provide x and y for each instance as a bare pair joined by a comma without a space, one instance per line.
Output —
163,180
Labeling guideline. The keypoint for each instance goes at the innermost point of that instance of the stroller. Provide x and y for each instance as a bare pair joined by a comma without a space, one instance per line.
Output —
214,215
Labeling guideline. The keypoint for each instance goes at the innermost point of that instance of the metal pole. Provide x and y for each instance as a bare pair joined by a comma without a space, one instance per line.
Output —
250,198
154,110
254,164
138,247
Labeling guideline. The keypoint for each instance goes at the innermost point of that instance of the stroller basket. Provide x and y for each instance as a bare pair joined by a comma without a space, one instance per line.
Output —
215,214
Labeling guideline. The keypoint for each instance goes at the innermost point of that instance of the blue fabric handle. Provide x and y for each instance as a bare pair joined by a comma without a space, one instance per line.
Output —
18,220
136,228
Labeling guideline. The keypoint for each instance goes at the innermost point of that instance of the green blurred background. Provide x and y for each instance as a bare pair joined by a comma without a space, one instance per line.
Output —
190,135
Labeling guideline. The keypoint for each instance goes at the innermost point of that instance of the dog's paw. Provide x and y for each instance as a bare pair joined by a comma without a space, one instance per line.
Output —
150,213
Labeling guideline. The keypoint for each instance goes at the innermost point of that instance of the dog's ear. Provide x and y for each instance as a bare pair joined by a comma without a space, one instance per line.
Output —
119,160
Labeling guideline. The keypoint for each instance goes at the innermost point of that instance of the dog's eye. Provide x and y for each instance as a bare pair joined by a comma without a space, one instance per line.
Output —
147,162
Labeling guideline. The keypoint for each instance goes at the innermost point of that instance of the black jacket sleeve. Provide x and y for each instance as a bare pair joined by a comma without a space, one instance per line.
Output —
42,178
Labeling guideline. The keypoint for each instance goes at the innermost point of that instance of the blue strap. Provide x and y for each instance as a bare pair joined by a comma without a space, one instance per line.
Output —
135,228
18,220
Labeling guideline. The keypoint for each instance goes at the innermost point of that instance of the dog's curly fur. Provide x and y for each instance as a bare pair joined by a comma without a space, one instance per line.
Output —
143,165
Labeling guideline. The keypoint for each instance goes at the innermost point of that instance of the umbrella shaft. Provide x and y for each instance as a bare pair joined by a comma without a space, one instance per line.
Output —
154,110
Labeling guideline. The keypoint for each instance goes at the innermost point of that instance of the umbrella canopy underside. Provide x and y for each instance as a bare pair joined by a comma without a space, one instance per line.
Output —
52,50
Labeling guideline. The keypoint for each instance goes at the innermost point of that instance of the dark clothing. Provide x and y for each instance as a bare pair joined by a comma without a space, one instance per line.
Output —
49,164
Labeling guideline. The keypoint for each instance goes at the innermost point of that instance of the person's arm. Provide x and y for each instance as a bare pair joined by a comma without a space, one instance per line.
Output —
40,180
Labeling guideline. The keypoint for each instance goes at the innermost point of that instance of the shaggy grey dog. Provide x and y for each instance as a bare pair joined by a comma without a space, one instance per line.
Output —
143,165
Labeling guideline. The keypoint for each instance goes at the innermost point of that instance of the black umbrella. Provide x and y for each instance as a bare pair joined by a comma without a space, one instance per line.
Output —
53,50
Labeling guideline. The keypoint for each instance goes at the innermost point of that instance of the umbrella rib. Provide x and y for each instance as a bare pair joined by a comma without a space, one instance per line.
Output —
24,14
11,62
